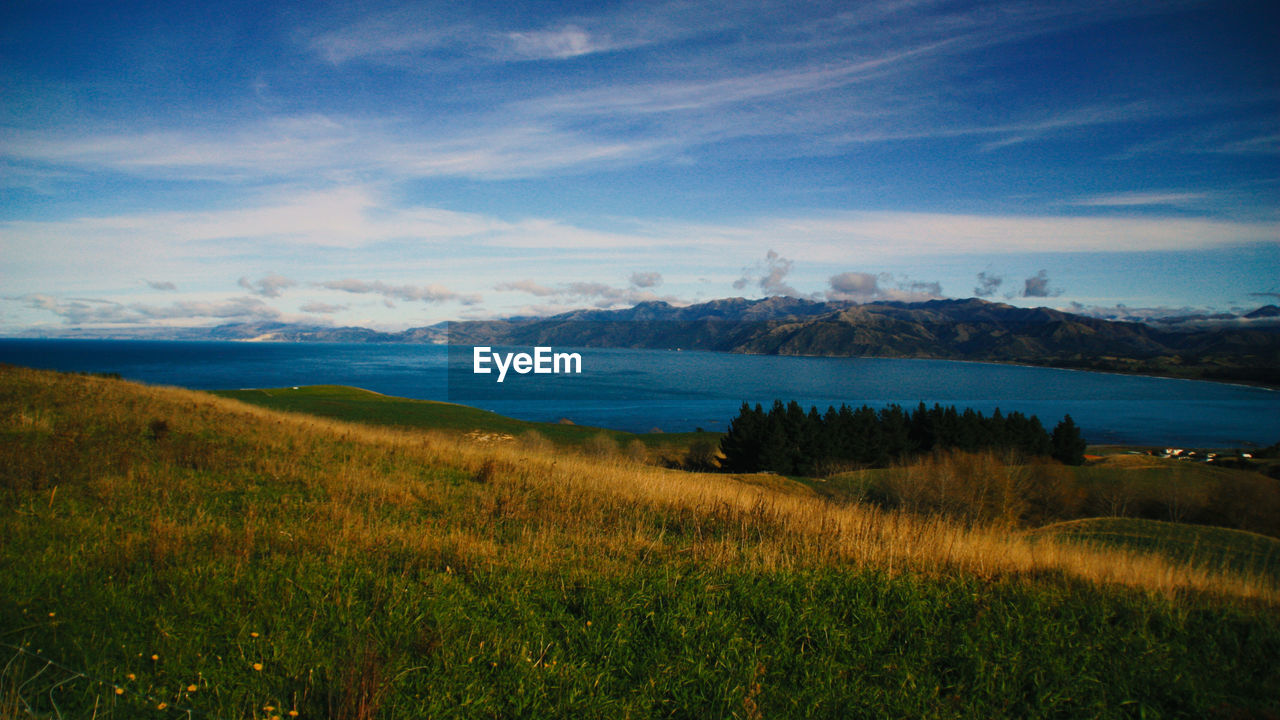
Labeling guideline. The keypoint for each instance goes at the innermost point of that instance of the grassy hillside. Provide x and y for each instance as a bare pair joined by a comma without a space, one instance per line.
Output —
1209,547
364,406
165,552
991,487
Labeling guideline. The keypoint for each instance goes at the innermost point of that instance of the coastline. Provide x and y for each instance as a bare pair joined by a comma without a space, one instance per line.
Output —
263,340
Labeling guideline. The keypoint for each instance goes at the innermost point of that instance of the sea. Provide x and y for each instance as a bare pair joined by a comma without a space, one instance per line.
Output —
677,391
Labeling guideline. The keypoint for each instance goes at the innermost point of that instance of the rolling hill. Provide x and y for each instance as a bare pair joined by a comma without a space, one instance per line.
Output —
167,553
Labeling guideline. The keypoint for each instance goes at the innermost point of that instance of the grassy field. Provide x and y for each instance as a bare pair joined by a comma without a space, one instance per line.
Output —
1139,476
364,406
970,486
1210,547
166,553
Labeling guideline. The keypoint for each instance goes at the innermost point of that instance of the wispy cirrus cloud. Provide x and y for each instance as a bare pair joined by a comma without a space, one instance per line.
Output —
568,41
828,236
389,34
865,75
409,33
282,148
320,308
358,218
408,293
598,294
1139,199
406,34
340,217
1267,144
83,311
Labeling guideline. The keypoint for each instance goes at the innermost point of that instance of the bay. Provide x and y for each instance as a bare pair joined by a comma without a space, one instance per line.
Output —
640,390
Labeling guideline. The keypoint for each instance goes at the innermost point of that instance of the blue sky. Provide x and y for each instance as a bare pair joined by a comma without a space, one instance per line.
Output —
393,165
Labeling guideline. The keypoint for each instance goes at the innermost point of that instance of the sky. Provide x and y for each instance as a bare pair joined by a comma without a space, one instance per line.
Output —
392,165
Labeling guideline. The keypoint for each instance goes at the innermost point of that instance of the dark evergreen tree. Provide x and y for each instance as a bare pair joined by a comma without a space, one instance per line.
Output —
788,440
895,436
776,450
741,442
866,437
1039,444
1068,444
921,430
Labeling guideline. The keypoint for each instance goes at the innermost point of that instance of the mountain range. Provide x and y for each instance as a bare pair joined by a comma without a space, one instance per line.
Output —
972,329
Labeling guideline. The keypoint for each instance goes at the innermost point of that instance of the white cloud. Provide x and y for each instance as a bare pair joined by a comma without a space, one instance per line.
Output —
988,284
768,276
646,279
1265,144
1137,199
414,32
339,217
601,295
391,33
269,286
527,286
868,84
81,311
408,293
1037,286
903,234
855,283
319,308
565,42
313,233
868,287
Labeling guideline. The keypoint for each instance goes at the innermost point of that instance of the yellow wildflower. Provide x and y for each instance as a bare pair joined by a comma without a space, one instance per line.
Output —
119,691
257,666
192,688
162,706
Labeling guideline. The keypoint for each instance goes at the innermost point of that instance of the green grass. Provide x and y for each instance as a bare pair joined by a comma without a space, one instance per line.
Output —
1211,547
380,574
661,641
357,405
1195,474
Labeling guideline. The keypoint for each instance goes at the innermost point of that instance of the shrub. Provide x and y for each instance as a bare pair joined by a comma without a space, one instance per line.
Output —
600,446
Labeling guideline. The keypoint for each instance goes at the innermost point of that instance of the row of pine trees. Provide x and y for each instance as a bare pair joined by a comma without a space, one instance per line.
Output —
786,439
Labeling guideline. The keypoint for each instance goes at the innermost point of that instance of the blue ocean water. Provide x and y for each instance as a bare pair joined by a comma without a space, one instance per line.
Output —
639,390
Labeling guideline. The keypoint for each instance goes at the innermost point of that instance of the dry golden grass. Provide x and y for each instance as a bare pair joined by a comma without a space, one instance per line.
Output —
237,480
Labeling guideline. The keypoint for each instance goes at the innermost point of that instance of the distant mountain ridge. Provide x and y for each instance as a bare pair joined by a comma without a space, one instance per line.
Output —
971,329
